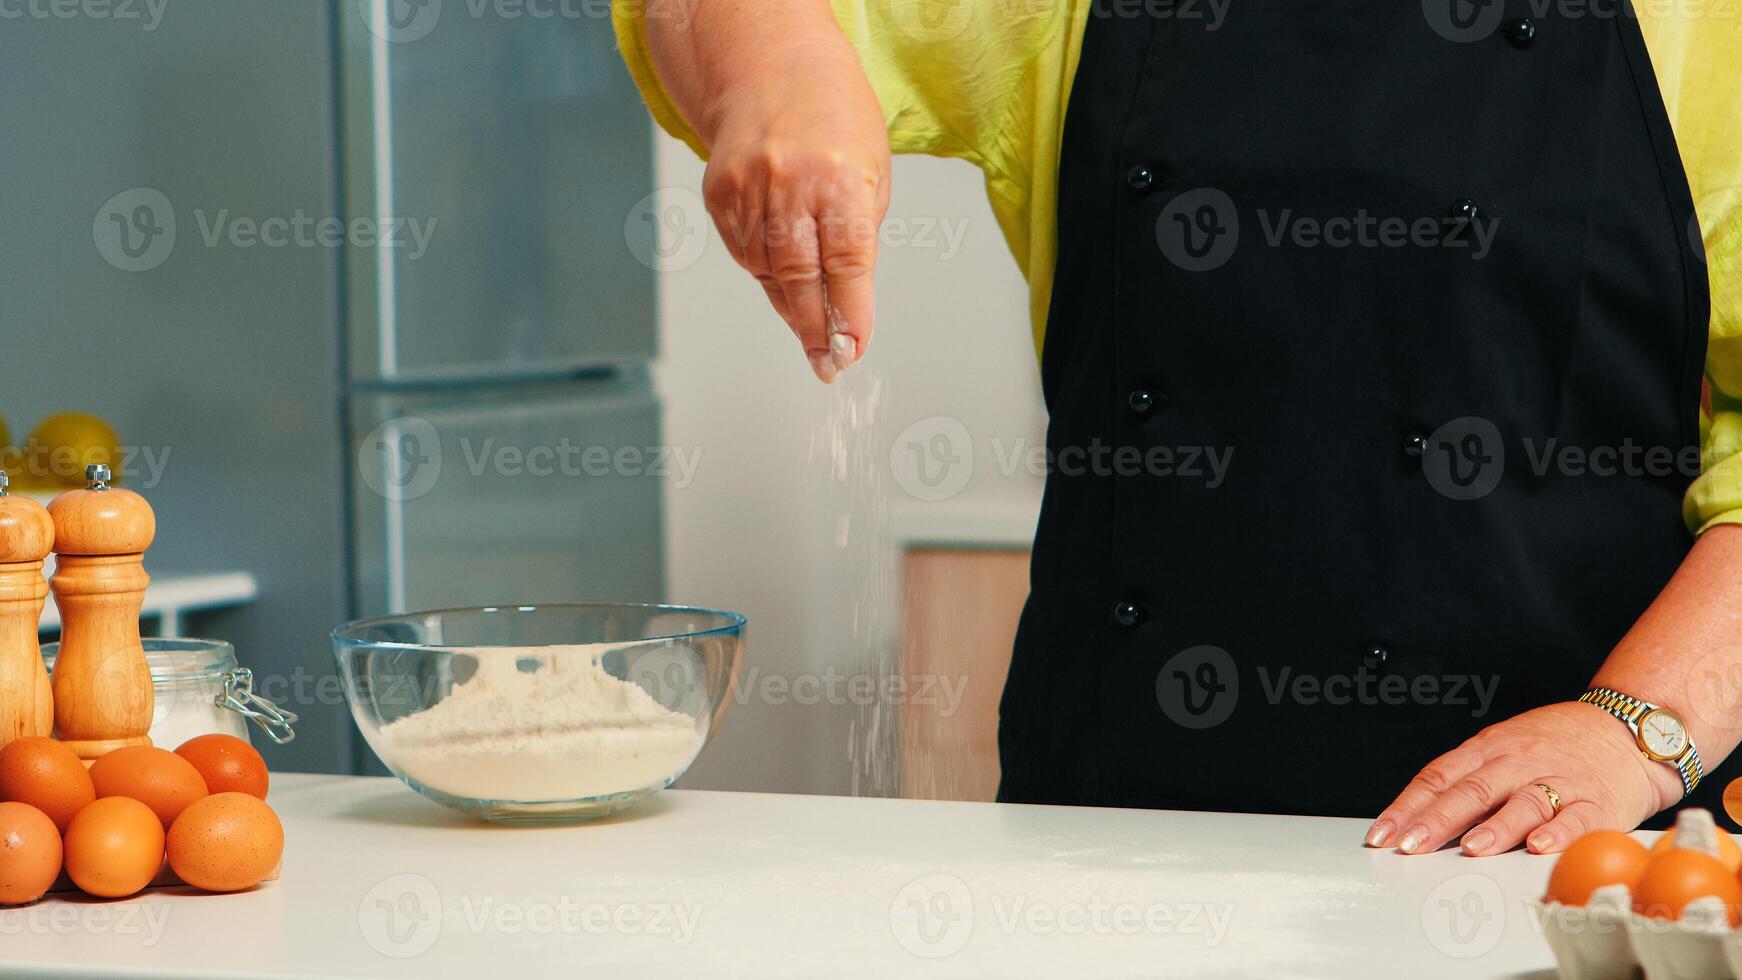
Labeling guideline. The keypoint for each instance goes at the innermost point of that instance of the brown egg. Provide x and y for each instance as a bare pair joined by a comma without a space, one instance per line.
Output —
1728,850
1603,857
158,778
29,853
47,775
226,843
228,764
114,847
1673,880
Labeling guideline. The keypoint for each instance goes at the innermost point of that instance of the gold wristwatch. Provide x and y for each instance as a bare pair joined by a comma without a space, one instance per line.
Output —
1660,732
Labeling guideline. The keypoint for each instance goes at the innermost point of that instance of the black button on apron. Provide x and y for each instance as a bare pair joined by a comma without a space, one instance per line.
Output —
1414,444
1376,657
1521,32
1465,209
1140,401
1281,536
1128,614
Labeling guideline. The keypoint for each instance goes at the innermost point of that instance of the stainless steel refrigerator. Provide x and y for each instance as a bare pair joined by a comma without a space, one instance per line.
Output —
504,435
285,366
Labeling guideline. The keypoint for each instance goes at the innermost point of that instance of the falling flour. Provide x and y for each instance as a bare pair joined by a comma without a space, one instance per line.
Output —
540,724
865,603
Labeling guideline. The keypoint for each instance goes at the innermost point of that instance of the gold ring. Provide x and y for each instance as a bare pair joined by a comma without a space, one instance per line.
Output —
1554,799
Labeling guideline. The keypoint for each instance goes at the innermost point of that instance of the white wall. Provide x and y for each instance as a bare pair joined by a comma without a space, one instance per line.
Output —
791,512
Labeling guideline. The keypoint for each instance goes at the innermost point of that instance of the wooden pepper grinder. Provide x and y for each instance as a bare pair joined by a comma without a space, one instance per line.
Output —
26,536
102,685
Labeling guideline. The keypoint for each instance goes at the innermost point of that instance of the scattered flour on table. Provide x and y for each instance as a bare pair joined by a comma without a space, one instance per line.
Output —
565,730
1210,922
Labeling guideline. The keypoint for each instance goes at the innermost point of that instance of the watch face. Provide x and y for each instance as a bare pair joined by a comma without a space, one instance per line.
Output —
1662,735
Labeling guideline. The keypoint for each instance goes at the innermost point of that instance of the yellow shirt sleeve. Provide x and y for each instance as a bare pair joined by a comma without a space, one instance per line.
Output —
986,82
972,80
1699,71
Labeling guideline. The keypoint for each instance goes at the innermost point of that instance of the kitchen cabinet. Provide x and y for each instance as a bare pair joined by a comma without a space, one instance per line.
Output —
220,365
964,569
959,614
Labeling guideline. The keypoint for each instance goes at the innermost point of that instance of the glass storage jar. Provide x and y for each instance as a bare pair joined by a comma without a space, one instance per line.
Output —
200,689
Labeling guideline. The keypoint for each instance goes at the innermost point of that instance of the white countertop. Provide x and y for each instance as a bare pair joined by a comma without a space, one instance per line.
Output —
379,882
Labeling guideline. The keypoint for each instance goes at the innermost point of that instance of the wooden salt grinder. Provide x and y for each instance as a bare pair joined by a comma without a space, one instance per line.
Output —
26,536
102,685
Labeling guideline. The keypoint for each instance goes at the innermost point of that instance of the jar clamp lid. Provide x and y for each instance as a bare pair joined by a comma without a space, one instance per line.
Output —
175,660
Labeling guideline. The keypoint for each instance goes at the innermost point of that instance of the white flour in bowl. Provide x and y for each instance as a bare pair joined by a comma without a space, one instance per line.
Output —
564,731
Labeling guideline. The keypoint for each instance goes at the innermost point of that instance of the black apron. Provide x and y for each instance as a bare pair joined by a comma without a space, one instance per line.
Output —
1372,330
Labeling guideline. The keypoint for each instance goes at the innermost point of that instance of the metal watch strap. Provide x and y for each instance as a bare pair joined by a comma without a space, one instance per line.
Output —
1630,710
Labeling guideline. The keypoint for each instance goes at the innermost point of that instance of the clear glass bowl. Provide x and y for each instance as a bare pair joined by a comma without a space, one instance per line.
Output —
540,714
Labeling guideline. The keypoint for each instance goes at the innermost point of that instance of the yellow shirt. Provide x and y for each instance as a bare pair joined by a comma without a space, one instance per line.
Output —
989,82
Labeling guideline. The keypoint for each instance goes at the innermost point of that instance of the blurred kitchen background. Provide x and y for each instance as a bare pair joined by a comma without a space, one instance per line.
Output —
331,428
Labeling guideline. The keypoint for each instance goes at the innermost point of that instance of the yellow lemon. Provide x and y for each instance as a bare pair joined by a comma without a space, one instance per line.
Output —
62,445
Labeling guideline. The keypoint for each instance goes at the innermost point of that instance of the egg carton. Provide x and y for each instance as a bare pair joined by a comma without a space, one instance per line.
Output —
1606,940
